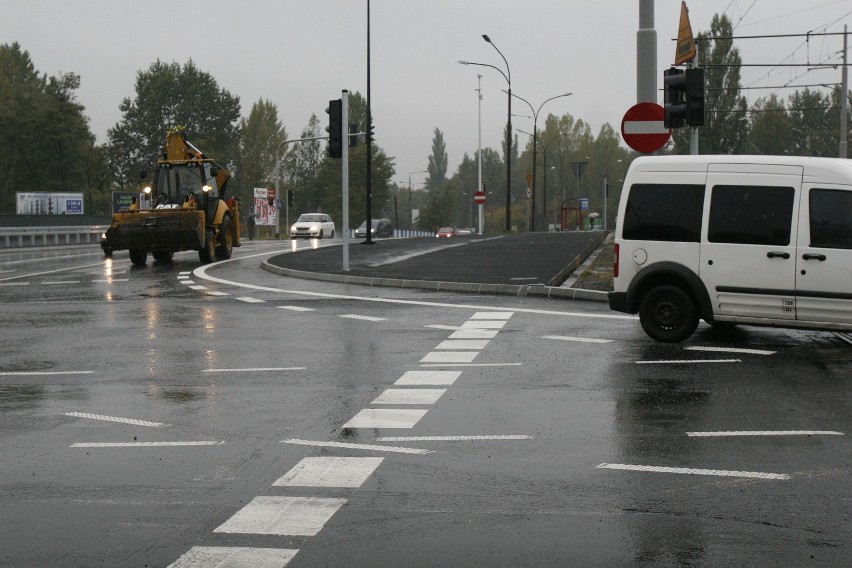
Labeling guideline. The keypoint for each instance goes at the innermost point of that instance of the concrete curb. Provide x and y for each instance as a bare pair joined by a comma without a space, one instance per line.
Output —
471,288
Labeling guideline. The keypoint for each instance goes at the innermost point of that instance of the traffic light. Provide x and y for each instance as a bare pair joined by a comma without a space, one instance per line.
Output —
695,97
674,81
291,198
335,128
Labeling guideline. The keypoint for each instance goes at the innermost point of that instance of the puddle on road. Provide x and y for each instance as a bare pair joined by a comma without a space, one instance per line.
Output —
28,397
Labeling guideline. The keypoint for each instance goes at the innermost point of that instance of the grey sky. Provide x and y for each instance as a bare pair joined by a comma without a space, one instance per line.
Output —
300,54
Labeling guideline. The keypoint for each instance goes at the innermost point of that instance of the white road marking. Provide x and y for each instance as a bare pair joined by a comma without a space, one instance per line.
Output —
731,350
693,471
366,318
449,357
198,287
491,316
329,472
66,269
524,278
213,293
296,308
110,280
201,272
42,373
253,370
185,280
767,433
14,283
463,344
451,438
225,556
250,300
688,361
409,396
423,378
474,334
292,516
145,444
578,339
439,326
483,324
351,446
51,282
471,365
386,418
116,419
184,273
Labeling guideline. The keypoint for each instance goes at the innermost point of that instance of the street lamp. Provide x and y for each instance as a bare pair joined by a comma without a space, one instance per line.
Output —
535,130
544,189
508,76
410,210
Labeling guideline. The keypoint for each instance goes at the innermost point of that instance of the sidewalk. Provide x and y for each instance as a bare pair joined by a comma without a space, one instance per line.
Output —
525,264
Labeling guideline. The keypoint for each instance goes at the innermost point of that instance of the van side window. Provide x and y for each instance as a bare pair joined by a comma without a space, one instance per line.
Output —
664,212
831,218
751,215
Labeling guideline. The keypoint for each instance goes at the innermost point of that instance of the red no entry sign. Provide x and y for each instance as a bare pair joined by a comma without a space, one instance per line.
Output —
479,197
642,127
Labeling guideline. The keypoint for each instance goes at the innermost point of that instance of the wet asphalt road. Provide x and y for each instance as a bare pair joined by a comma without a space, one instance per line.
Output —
533,433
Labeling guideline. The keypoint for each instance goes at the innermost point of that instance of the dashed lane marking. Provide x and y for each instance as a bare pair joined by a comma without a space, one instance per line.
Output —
451,438
253,370
14,283
330,472
250,300
206,556
52,282
111,280
145,444
409,396
441,326
693,471
767,433
730,350
283,516
353,446
296,308
214,293
198,287
185,280
578,339
471,365
116,419
491,316
42,373
688,362
366,318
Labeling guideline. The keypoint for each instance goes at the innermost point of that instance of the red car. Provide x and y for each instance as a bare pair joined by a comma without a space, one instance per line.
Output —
446,232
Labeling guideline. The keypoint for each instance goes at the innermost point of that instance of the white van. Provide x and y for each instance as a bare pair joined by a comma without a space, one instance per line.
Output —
755,240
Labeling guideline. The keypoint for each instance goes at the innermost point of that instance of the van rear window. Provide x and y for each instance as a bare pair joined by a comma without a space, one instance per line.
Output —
751,215
664,212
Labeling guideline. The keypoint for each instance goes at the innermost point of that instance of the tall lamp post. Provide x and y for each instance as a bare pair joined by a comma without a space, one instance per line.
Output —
278,193
535,137
410,210
508,76
545,145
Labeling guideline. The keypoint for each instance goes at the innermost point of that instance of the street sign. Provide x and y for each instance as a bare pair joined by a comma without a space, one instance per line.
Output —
479,197
642,127
685,50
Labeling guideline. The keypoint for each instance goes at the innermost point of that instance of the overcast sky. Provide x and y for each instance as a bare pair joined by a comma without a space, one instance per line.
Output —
301,53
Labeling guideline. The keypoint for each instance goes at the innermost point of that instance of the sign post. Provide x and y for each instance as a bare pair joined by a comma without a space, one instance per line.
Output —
479,199
642,127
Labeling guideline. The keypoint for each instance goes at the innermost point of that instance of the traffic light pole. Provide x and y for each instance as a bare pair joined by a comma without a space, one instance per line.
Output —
344,181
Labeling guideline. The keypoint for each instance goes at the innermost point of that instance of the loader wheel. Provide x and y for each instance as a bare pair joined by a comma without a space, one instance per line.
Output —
138,256
207,254
162,256
226,240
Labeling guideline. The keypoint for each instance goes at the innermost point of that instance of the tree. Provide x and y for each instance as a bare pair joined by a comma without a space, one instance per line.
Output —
725,129
437,167
769,129
813,126
302,164
45,141
260,136
168,95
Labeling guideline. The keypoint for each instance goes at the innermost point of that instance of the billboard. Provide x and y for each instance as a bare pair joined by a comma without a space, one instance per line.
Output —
264,213
45,203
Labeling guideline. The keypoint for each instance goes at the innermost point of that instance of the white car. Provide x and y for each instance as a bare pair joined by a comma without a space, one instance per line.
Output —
312,226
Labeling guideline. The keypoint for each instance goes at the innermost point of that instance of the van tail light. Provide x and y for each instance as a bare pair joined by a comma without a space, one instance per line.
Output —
615,261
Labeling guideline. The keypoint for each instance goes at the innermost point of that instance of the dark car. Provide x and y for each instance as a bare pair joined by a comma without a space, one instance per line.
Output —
446,232
380,228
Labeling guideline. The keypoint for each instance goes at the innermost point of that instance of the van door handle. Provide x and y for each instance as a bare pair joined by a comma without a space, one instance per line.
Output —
784,255
819,257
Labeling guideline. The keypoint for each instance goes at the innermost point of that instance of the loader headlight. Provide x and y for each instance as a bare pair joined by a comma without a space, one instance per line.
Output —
147,190
206,188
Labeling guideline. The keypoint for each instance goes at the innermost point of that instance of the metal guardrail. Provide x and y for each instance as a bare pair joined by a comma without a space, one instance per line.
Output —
12,237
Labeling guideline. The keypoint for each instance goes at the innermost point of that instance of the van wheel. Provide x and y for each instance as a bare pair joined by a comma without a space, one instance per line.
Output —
667,314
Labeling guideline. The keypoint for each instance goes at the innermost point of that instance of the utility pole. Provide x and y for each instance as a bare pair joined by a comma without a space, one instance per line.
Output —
844,100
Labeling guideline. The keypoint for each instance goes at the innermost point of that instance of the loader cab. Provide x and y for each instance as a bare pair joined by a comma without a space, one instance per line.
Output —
175,183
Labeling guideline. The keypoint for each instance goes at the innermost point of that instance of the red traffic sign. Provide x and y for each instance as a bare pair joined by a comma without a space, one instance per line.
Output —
479,197
643,129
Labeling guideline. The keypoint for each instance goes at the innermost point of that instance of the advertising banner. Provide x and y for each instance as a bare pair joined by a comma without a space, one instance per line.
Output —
264,213
44,203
